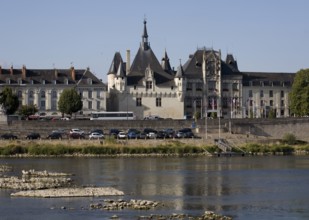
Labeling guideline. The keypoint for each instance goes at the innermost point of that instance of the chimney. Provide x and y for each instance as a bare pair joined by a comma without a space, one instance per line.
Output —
24,72
128,62
11,70
73,73
56,73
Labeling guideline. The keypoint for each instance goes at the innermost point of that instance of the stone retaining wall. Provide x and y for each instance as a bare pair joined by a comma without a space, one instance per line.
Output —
272,128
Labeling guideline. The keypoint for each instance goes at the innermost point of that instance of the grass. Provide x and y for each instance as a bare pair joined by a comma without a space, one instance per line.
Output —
111,147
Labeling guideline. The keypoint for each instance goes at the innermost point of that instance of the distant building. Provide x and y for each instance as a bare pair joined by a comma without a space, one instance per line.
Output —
203,85
43,87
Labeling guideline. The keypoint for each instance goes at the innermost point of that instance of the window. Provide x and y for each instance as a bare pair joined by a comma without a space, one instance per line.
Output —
235,86
261,93
148,84
90,105
282,94
199,86
261,103
54,104
225,87
90,94
212,85
98,93
250,94
271,93
19,94
271,103
158,102
138,101
42,94
282,103
98,105
189,86
54,94
42,106
31,94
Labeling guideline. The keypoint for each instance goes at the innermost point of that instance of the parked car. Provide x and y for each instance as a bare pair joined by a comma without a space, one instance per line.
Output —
170,132
150,133
76,130
132,135
96,135
8,136
33,136
100,131
60,130
122,135
185,133
54,135
114,132
76,136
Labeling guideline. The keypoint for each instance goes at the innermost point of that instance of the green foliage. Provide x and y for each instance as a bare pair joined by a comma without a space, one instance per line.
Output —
299,95
272,113
12,149
27,110
289,139
70,102
8,101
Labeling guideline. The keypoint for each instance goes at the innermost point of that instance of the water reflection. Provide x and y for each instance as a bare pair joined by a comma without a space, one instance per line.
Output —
244,187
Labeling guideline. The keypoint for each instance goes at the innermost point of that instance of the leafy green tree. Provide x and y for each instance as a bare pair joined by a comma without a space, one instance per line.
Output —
8,101
70,102
299,95
27,110
272,113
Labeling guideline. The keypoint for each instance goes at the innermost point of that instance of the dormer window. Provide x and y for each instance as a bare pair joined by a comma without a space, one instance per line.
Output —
89,81
66,81
19,81
148,84
43,82
54,82
8,81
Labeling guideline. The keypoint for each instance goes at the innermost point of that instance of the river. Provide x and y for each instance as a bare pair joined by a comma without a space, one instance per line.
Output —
269,187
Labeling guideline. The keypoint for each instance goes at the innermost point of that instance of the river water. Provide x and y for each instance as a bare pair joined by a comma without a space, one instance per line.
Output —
270,187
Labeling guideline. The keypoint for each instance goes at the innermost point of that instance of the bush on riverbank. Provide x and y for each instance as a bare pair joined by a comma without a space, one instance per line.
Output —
264,149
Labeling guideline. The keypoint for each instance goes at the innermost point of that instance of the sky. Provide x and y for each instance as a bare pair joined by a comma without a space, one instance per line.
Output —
262,35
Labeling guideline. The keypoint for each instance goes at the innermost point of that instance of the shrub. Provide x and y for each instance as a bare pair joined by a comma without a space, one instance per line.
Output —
289,139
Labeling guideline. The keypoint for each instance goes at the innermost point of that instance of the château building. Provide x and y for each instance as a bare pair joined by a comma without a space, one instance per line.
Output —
43,87
204,85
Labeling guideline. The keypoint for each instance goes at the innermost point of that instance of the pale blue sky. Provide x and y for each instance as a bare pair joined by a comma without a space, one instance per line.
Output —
263,35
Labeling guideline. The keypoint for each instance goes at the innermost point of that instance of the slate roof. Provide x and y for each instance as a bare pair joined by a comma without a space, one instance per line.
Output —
146,58
37,76
267,78
117,61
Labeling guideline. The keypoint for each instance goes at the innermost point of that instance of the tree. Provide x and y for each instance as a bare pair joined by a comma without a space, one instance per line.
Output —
8,101
299,95
27,110
70,102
